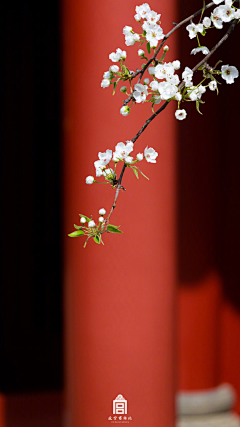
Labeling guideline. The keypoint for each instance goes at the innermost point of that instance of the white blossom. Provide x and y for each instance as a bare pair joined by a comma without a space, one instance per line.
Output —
140,93
151,70
99,171
91,224
216,19
187,74
202,49
102,211
139,156
228,3
146,81
125,110
217,1
122,151
213,85
141,52
83,220
107,172
100,219
137,17
193,29
201,89
178,96
143,10
89,180
164,70
180,114
107,75
129,160
226,13
176,64
115,57
207,22
152,17
105,83
131,39
105,157
167,90
147,25
150,155
196,92
229,73
127,30
173,79
154,33
114,68
166,48
188,83
154,85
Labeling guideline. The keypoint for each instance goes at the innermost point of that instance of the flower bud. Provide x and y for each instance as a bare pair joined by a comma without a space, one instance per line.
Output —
89,180
178,96
102,211
139,156
91,224
176,64
101,219
141,52
165,49
151,70
146,81
83,220
125,110
114,68
123,89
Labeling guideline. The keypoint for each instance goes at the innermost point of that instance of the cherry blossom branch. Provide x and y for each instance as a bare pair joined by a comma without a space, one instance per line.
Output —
148,121
141,72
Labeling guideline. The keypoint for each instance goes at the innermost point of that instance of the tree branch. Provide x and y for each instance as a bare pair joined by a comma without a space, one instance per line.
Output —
141,72
148,121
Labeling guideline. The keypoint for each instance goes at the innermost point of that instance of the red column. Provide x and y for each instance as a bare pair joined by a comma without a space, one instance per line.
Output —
120,297
199,328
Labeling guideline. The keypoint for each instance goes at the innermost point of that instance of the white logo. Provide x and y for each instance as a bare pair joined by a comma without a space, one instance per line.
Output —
120,405
120,409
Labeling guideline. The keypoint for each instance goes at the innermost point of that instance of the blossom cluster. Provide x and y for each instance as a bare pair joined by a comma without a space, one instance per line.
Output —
90,229
166,84
122,153
221,14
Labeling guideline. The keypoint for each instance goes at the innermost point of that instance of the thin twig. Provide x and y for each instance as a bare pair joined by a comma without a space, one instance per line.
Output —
141,72
148,121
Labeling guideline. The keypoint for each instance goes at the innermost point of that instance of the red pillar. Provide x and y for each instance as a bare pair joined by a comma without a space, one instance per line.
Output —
120,297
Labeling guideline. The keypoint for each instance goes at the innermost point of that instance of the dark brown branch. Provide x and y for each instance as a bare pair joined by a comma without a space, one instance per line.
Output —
141,72
148,121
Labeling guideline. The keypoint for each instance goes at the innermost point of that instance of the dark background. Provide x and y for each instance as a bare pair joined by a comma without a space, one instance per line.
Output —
30,222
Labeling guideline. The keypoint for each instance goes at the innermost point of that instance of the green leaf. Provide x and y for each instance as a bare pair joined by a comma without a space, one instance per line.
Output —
97,239
113,229
78,227
197,107
135,172
114,87
148,48
143,174
86,218
76,233
85,244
